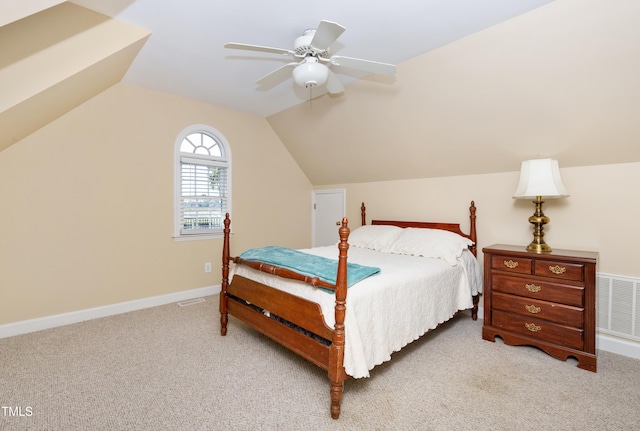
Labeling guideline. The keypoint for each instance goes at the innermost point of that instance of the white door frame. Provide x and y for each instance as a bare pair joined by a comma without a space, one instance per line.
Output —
314,193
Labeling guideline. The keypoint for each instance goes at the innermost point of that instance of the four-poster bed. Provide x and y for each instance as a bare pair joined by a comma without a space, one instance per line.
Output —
309,314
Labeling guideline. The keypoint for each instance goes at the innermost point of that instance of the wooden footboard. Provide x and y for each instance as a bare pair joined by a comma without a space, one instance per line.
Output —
295,323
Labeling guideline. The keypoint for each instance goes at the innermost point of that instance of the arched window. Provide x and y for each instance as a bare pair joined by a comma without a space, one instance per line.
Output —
203,182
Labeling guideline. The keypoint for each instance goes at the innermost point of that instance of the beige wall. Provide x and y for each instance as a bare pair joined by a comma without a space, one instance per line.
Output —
87,203
600,215
69,192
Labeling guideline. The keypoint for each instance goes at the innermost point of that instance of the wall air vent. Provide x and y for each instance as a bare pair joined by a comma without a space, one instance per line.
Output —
618,306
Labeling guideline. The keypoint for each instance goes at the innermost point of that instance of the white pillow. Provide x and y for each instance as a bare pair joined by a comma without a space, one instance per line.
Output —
437,243
374,237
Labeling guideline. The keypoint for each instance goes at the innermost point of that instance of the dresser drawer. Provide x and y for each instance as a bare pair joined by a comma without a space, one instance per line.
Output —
539,329
566,271
533,308
538,289
519,265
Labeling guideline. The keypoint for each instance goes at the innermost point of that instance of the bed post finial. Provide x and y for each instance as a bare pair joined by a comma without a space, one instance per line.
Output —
225,276
363,214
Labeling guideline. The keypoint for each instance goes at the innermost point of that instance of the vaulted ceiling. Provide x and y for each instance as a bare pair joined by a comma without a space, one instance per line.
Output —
491,80
186,53
59,56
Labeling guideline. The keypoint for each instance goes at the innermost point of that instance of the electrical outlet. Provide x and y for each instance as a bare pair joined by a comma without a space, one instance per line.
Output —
207,267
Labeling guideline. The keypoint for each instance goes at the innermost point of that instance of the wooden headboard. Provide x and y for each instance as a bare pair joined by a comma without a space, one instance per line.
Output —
452,227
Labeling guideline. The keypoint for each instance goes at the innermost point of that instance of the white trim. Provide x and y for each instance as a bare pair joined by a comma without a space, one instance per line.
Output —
200,128
605,342
314,193
617,345
48,322
191,237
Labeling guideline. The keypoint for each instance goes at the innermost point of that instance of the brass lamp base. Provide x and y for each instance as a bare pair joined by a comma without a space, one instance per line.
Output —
538,220
539,248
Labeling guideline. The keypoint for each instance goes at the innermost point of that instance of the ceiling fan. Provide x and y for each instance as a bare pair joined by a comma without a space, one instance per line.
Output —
313,67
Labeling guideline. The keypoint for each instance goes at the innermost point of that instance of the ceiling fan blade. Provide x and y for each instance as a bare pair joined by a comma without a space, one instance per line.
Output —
364,65
334,86
277,76
259,48
326,33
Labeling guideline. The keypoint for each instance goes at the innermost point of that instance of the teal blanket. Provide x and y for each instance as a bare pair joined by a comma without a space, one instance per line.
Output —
308,264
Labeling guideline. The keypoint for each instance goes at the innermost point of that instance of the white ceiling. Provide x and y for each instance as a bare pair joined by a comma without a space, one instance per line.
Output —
185,53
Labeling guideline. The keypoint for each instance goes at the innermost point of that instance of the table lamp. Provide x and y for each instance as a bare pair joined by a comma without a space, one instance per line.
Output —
540,179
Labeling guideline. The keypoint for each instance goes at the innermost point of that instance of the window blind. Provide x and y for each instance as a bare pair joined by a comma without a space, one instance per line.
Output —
203,195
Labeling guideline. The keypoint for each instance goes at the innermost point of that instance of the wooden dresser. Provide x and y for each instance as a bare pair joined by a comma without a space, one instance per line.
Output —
545,300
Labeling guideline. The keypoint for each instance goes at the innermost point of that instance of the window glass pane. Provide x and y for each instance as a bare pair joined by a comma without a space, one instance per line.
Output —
201,143
208,141
195,138
216,150
186,146
202,214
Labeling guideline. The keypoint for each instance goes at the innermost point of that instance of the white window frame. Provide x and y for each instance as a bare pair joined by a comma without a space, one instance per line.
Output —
199,234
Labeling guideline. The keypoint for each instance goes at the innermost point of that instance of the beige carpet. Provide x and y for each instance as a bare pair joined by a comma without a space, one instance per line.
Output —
167,368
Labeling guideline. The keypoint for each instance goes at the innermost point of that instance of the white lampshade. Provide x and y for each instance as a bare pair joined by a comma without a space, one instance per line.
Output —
540,177
310,73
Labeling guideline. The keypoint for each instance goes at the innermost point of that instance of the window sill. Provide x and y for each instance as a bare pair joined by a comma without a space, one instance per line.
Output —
209,236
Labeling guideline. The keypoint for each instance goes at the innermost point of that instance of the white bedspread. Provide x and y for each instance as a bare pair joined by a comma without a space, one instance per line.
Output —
387,311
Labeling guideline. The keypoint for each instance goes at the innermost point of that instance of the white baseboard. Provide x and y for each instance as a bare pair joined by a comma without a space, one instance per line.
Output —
619,346
606,342
32,325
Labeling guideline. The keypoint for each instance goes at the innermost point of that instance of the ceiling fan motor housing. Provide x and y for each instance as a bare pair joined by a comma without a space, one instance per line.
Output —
302,45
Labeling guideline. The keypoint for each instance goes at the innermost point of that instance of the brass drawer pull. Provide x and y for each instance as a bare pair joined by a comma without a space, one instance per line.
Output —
510,264
532,309
557,269
533,288
532,327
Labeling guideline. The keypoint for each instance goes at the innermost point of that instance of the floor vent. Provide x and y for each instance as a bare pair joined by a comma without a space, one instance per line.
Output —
190,302
618,306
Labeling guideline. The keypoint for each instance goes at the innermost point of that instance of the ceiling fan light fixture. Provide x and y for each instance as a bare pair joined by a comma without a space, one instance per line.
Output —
310,73
312,60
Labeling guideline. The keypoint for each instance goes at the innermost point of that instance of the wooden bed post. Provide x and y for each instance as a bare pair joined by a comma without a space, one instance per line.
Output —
337,374
225,277
474,250
363,214
472,228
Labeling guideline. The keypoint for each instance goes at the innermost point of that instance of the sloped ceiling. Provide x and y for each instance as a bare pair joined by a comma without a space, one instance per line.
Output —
560,81
11,10
186,53
57,59
481,85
